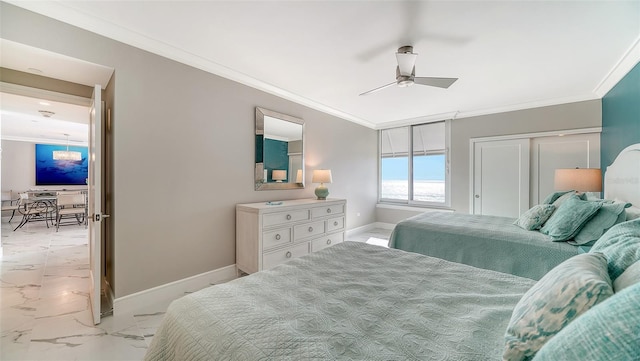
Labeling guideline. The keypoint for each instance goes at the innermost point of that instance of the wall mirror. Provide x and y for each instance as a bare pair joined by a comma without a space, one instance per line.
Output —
279,151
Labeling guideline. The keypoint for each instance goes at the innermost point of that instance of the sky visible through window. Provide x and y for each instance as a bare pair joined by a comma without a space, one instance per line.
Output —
429,168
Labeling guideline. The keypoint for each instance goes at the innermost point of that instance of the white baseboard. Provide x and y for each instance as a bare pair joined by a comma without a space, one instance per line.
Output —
163,295
368,227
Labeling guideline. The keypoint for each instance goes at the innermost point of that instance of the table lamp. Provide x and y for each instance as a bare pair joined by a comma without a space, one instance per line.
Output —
578,179
322,176
279,175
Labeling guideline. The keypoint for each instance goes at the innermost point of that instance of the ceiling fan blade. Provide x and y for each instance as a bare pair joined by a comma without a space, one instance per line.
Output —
406,62
437,82
379,88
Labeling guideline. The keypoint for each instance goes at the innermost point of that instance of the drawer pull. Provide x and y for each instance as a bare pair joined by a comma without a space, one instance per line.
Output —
288,255
288,217
328,210
278,237
335,223
310,229
328,241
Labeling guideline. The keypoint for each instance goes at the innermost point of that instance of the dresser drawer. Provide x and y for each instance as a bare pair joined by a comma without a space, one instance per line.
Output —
276,238
326,241
334,224
308,230
327,210
273,258
272,219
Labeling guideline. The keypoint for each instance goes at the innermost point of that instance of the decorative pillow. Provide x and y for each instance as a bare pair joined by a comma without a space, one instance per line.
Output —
609,331
566,196
554,196
621,246
629,277
535,217
605,218
569,218
563,294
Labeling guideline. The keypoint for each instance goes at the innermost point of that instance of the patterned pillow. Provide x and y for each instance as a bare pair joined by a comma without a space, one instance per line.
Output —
569,218
535,217
609,331
605,218
563,294
621,246
629,277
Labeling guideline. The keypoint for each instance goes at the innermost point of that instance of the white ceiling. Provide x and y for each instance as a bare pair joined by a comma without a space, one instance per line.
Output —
507,54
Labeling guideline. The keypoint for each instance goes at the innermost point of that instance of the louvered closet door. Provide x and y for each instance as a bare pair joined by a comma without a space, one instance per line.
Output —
501,178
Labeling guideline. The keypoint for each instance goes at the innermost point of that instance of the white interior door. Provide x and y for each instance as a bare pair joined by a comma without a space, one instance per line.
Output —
95,200
551,153
501,177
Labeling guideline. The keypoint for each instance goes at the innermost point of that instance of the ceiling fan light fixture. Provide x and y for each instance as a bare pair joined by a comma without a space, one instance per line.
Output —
405,82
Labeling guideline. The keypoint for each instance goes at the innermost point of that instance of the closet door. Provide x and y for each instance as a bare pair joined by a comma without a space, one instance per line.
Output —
501,177
550,153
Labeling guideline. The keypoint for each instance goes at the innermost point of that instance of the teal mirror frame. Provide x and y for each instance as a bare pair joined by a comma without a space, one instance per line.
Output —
261,137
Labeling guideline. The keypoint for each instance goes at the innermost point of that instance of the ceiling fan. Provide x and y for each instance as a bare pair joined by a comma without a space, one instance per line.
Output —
406,73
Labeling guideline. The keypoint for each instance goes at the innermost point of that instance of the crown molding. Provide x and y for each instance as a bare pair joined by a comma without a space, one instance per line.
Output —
622,68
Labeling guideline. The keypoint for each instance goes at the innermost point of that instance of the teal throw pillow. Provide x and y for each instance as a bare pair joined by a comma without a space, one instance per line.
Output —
566,292
535,217
629,277
554,196
609,331
569,218
605,218
621,246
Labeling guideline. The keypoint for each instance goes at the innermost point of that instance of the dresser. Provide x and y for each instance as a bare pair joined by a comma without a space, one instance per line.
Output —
268,234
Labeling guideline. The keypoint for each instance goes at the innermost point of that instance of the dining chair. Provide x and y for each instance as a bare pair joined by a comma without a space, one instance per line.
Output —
33,209
70,205
9,203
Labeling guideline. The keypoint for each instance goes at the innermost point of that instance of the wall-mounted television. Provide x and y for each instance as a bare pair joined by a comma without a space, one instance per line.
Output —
51,172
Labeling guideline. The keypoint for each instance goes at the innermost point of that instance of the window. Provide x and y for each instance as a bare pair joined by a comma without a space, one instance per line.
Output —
419,177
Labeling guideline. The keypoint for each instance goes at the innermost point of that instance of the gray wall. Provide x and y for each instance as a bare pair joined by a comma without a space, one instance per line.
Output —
175,129
18,166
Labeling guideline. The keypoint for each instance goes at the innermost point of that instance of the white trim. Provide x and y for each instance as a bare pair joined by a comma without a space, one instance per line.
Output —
552,133
165,294
367,227
403,207
622,68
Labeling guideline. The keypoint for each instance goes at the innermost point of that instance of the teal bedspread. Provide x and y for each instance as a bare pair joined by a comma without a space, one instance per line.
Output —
352,301
481,241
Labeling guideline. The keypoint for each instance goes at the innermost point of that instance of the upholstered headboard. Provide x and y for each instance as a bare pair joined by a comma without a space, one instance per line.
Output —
622,178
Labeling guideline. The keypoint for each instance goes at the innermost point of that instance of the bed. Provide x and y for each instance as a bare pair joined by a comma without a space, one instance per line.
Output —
350,301
497,244
488,242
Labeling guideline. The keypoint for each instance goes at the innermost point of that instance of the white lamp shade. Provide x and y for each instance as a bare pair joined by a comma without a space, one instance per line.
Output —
321,176
279,174
578,179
